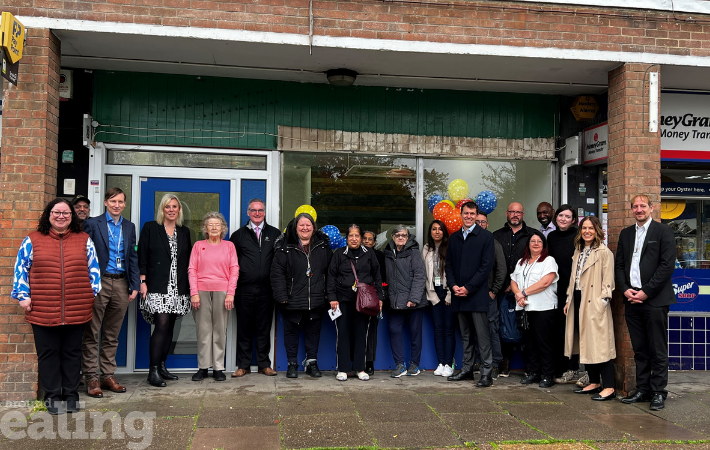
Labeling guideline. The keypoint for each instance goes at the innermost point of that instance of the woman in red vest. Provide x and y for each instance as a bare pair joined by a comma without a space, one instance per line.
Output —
56,279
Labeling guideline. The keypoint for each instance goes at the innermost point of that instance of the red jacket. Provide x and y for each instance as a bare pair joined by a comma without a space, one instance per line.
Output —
60,288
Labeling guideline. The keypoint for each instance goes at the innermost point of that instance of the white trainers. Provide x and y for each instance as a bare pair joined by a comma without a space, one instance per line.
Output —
448,371
363,376
439,370
342,376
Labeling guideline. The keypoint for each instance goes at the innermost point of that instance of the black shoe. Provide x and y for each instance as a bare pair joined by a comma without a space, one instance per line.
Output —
462,375
599,398
312,369
636,397
218,375
658,402
530,378
200,375
494,373
292,371
547,382
370,368
504,368
163,371
476,368
154,377
596,390
73,406
485,381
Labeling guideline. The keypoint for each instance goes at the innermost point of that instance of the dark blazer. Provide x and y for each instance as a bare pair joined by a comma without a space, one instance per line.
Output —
468,264
97,228
154,258
657,263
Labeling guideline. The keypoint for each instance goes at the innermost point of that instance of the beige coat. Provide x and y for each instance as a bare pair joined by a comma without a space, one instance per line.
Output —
428,257
595,341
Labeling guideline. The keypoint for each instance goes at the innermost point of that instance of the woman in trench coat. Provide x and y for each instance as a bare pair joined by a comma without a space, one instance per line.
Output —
590,328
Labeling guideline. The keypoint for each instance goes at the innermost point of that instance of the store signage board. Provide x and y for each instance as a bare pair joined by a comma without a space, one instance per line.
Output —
692,290
9,71
13,37
596,144
685,126
685,190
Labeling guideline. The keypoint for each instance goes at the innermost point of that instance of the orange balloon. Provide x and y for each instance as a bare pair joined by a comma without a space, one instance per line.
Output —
442,210
453,223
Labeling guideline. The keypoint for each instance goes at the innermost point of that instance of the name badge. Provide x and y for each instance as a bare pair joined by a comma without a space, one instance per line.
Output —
118,262
437,281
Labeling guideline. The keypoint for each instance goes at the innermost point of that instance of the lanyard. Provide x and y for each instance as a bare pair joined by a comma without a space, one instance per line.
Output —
525,274
120,236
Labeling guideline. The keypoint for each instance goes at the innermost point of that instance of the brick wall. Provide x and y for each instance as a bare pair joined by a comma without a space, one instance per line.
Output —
465,22
634,167
28,171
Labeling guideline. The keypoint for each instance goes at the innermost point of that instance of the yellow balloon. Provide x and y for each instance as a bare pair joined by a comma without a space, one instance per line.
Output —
308,209
458,189
450,203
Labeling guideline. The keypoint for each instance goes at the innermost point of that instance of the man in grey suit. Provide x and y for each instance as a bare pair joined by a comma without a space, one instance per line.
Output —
644,266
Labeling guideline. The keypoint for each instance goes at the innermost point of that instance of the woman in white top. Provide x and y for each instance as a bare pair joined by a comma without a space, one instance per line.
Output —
534,283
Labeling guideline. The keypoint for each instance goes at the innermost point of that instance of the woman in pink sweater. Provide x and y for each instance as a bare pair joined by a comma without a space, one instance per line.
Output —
213,274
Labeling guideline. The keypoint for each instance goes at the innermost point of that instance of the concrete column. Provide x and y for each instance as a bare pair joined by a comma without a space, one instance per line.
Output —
634,167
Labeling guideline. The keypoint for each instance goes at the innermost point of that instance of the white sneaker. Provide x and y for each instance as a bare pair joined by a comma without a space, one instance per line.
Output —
448,371
363,376
439,370
342,376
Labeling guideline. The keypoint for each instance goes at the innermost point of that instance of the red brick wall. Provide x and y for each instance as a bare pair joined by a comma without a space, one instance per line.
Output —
467,22
634,167
28,180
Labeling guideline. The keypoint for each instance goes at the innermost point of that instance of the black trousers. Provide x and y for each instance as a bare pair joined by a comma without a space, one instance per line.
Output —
539,346
563,363
254,316
372,340
601,373
292,335
648,328
351,330
59,362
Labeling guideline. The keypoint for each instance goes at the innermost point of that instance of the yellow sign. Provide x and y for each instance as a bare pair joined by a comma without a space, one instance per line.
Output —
584,107
670,209
13,37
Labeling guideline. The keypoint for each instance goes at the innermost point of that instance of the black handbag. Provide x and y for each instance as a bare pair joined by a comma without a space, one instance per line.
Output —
523,322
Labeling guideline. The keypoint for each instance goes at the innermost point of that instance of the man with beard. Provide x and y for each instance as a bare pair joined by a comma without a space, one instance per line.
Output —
513,237
545,213
82,207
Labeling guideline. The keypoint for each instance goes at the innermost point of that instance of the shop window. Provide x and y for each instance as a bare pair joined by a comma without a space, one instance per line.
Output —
376,192
526,182
119,181
689,221
186,159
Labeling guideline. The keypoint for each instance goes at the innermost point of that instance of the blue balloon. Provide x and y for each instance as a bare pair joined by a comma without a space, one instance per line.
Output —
433,200
333,234
341,242
487,201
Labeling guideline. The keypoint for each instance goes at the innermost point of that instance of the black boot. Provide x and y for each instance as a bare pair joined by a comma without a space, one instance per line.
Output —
163,371
154,377
292,371
370,368
312,369
200,375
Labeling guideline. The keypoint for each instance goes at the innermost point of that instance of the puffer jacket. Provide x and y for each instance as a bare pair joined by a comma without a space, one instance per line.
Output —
294,287
406,275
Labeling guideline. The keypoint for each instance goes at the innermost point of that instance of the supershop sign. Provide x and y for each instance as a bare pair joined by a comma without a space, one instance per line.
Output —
685,126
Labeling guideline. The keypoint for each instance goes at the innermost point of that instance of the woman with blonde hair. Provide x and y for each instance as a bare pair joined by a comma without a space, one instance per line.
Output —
163,258
213,274
590,327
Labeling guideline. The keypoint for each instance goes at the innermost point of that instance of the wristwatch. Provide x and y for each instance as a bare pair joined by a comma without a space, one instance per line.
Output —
142,281
524,294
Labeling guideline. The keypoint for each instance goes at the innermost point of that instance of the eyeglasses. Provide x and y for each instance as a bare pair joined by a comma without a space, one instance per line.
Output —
214,225
400,236
258,211
61,213
481,222
538,241
515,213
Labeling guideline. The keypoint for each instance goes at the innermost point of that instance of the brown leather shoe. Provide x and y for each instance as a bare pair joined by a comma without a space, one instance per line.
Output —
93,389
112,385
240,373
268,371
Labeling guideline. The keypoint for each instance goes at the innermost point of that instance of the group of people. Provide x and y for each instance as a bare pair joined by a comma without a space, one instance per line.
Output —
76,275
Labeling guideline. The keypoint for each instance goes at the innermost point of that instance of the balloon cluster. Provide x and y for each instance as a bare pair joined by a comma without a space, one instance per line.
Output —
447,210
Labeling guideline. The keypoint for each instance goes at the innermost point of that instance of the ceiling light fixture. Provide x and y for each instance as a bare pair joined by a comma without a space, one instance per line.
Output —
341,77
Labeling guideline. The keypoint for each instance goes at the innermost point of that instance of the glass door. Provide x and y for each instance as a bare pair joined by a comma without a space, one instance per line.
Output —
197,198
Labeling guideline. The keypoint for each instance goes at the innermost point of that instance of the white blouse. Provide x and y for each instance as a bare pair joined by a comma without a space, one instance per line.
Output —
528,274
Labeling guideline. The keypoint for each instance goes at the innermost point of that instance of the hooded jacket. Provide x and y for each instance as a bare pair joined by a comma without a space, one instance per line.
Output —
341,279
295,287
406,275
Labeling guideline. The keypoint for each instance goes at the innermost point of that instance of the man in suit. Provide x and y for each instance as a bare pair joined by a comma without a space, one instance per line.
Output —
469,261
115,241
644,265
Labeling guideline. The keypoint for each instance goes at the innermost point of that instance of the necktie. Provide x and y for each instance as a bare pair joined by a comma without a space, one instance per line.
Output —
256,230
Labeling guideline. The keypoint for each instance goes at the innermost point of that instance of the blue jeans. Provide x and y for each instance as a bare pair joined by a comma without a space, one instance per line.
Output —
396,325
444,337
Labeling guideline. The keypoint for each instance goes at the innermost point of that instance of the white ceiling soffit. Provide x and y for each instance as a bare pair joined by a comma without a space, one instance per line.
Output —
679,6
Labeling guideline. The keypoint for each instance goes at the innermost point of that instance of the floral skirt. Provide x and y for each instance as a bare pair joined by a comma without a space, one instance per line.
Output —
154,303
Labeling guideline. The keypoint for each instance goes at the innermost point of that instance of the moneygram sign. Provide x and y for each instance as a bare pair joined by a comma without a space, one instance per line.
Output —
596,144
685,126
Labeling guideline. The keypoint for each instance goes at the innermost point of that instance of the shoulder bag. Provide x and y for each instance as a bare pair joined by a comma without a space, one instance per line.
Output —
367,300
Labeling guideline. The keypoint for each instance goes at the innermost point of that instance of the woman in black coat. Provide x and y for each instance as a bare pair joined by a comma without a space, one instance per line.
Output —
298,276
163,258
352,327
407,297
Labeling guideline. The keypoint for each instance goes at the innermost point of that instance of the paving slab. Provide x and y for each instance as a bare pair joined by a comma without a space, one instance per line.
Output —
584,429
383,396
165,407
700,426
252,438
650,446
420,435
165,434
395,412
549,411
329,430
44,431
585,404
556,446
489,427
682,409
515,394
647,427
305,406
238,417
235,400
461,403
